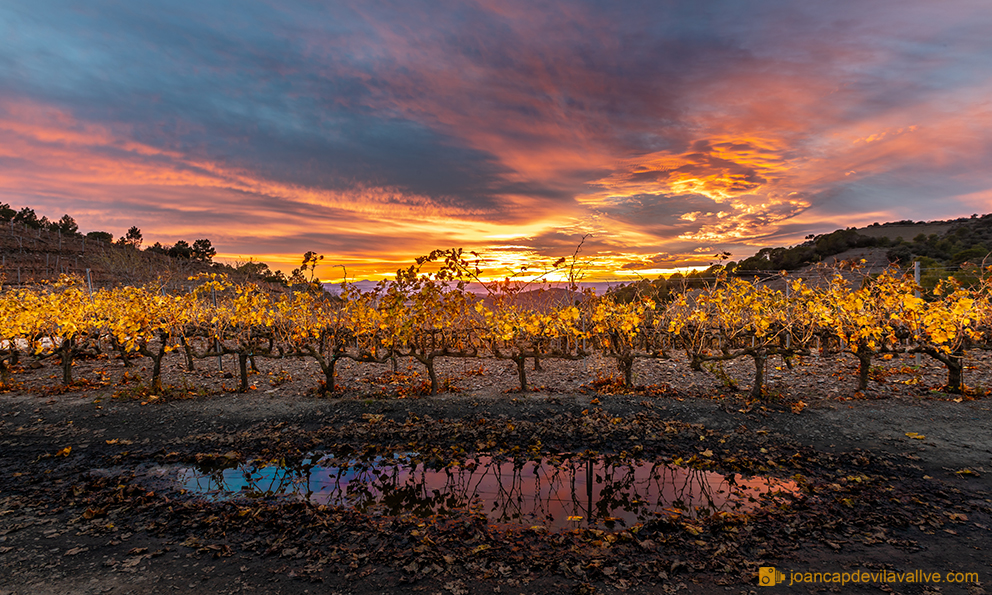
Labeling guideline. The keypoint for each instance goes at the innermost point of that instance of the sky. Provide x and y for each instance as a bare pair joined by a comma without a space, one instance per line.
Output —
660,132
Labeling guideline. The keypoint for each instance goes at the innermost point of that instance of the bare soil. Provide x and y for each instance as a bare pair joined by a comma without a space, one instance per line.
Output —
896,478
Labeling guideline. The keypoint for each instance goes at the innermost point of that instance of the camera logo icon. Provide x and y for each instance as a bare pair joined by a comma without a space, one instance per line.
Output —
769,577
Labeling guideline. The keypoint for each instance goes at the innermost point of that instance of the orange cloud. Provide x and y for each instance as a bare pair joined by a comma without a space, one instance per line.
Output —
516,128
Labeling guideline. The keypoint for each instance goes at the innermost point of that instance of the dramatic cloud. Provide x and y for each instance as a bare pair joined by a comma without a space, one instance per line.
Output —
374,132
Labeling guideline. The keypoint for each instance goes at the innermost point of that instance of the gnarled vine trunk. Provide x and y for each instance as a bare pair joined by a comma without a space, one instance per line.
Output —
521,372
66,352
760,358
243,371
190,366
428,361
626,365
864,367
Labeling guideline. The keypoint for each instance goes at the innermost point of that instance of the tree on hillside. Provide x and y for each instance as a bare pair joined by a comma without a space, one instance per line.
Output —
6,213
157,248
254,268
28,217
131,238
181,249
102,236
203,251
66,225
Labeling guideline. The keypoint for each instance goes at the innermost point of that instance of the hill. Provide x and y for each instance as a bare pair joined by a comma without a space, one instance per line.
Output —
35,250
951,245
953,248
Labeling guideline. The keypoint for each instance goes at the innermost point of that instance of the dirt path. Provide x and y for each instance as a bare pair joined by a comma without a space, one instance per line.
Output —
898,484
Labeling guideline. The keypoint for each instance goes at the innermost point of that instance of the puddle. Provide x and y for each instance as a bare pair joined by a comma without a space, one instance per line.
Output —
556,492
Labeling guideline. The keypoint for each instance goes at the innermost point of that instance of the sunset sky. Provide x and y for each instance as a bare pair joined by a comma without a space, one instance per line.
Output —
374,132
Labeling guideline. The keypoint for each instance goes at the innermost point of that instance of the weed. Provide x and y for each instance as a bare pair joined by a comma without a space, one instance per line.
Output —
186,391
717,369
129,376
281,378
133,392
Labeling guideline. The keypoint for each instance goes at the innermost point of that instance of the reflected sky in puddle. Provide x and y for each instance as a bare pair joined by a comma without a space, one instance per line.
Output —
556,492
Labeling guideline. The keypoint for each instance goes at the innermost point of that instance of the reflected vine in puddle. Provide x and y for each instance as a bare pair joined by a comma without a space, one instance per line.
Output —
556,492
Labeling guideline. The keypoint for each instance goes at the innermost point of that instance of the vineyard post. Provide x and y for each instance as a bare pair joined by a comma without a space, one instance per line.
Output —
89,283
220,358
788,332
916,293
585,361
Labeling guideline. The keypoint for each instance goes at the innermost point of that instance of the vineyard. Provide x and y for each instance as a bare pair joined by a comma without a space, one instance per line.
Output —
427,317
212,434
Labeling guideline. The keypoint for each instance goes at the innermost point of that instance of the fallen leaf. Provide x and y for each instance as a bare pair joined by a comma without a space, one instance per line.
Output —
915,436
133,562
75,550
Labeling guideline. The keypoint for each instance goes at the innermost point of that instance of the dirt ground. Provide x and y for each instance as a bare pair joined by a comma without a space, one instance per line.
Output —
896,478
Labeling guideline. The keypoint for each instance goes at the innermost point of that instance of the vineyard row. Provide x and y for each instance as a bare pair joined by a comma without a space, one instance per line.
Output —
426,317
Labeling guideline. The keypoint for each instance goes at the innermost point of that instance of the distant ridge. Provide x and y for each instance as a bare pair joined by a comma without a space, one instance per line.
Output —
600,287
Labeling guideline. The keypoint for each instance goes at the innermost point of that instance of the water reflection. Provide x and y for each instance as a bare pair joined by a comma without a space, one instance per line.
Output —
555,492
